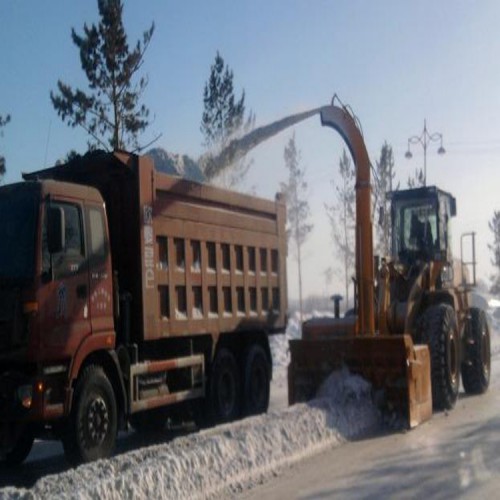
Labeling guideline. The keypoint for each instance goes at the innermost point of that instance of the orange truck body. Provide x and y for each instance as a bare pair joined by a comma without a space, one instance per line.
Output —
162,273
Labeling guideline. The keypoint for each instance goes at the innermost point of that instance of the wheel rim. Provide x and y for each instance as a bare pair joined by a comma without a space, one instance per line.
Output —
97,421
258,385
226,391
453,358
485,353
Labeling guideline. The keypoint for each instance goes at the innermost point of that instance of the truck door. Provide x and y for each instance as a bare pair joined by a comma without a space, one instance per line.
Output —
65,317
100,294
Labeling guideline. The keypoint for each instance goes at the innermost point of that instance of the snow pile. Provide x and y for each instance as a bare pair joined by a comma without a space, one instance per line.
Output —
229,458
225,459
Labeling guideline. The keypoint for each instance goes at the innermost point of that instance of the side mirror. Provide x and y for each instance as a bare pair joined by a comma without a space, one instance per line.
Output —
453,207
55,229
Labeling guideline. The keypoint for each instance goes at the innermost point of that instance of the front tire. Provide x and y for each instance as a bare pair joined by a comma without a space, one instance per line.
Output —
440,332
20,451
92,426
476,367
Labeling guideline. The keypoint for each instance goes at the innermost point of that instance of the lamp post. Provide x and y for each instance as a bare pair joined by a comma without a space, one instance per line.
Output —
424,139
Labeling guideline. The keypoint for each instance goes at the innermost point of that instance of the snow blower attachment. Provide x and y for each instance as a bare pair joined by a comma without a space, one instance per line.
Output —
396,367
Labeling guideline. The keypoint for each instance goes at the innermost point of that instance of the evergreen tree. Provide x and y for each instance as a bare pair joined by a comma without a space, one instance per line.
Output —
418,179
223,119
384,184
494,225
3,121
110,110
342,216
298,211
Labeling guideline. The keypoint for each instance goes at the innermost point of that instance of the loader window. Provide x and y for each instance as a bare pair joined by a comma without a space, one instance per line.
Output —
415,232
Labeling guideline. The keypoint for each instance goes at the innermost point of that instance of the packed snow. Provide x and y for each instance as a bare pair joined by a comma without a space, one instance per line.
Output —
221,461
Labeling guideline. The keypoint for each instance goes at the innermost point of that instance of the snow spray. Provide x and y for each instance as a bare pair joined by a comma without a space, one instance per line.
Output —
238,148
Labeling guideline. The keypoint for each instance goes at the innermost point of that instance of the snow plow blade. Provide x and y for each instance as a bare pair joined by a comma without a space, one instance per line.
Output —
391,363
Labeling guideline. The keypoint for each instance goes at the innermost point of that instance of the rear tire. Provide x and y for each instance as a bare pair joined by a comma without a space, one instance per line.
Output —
18,454
92,426
440,332
476,367
224,393
256,381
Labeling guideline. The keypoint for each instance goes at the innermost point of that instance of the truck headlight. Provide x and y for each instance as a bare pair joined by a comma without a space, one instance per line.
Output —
25,395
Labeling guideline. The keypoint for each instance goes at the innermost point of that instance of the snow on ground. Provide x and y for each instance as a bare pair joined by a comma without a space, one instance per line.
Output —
227,459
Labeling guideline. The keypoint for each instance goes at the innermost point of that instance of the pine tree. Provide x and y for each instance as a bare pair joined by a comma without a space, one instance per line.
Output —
3,121
494,225
384,184
223,119
110,110
418,179
342,219
298,211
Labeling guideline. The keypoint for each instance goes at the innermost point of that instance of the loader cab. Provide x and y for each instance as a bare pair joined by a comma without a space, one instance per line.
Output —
421,225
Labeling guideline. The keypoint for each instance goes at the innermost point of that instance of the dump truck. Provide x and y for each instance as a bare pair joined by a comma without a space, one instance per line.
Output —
128,296
413,332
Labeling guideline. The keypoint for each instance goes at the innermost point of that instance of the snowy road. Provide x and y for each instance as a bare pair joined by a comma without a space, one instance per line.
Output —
306,451
453,454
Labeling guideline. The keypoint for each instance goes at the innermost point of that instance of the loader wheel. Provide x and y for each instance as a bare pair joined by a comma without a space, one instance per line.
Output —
224,391
256,381
477,362
440,332
92,426
20,451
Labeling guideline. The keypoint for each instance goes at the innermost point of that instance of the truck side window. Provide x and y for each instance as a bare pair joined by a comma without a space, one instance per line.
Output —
97,235
64,262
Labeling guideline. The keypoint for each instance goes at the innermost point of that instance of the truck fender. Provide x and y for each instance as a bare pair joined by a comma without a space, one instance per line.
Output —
91,352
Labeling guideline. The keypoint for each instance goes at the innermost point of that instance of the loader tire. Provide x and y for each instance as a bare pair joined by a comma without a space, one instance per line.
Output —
440,332
256,388
476,366
224,393
92,426
20,451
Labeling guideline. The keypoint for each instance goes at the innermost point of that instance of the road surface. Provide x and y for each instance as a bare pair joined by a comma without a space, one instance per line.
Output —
454,454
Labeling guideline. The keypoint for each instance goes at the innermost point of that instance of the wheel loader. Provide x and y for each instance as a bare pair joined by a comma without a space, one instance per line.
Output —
413,333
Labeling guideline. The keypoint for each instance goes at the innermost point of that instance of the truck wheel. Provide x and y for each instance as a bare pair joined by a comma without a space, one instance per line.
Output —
256,381
477,363
18,454
441,334
224,391
92,426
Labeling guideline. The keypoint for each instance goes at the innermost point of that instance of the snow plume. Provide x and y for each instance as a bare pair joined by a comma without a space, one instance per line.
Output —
238,148
226,459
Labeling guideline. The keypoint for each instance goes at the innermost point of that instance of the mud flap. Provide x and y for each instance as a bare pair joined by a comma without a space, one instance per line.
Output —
392,364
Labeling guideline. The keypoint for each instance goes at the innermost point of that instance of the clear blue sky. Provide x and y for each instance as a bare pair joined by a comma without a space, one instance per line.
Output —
395,62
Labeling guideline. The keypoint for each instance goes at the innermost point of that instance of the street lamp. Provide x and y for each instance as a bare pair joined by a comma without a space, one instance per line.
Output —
424,139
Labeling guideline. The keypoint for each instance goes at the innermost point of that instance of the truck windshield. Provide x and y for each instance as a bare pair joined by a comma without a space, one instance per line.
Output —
18,218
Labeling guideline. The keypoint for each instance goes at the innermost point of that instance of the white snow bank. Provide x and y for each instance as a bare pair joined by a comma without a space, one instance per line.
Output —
225,459
494,303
